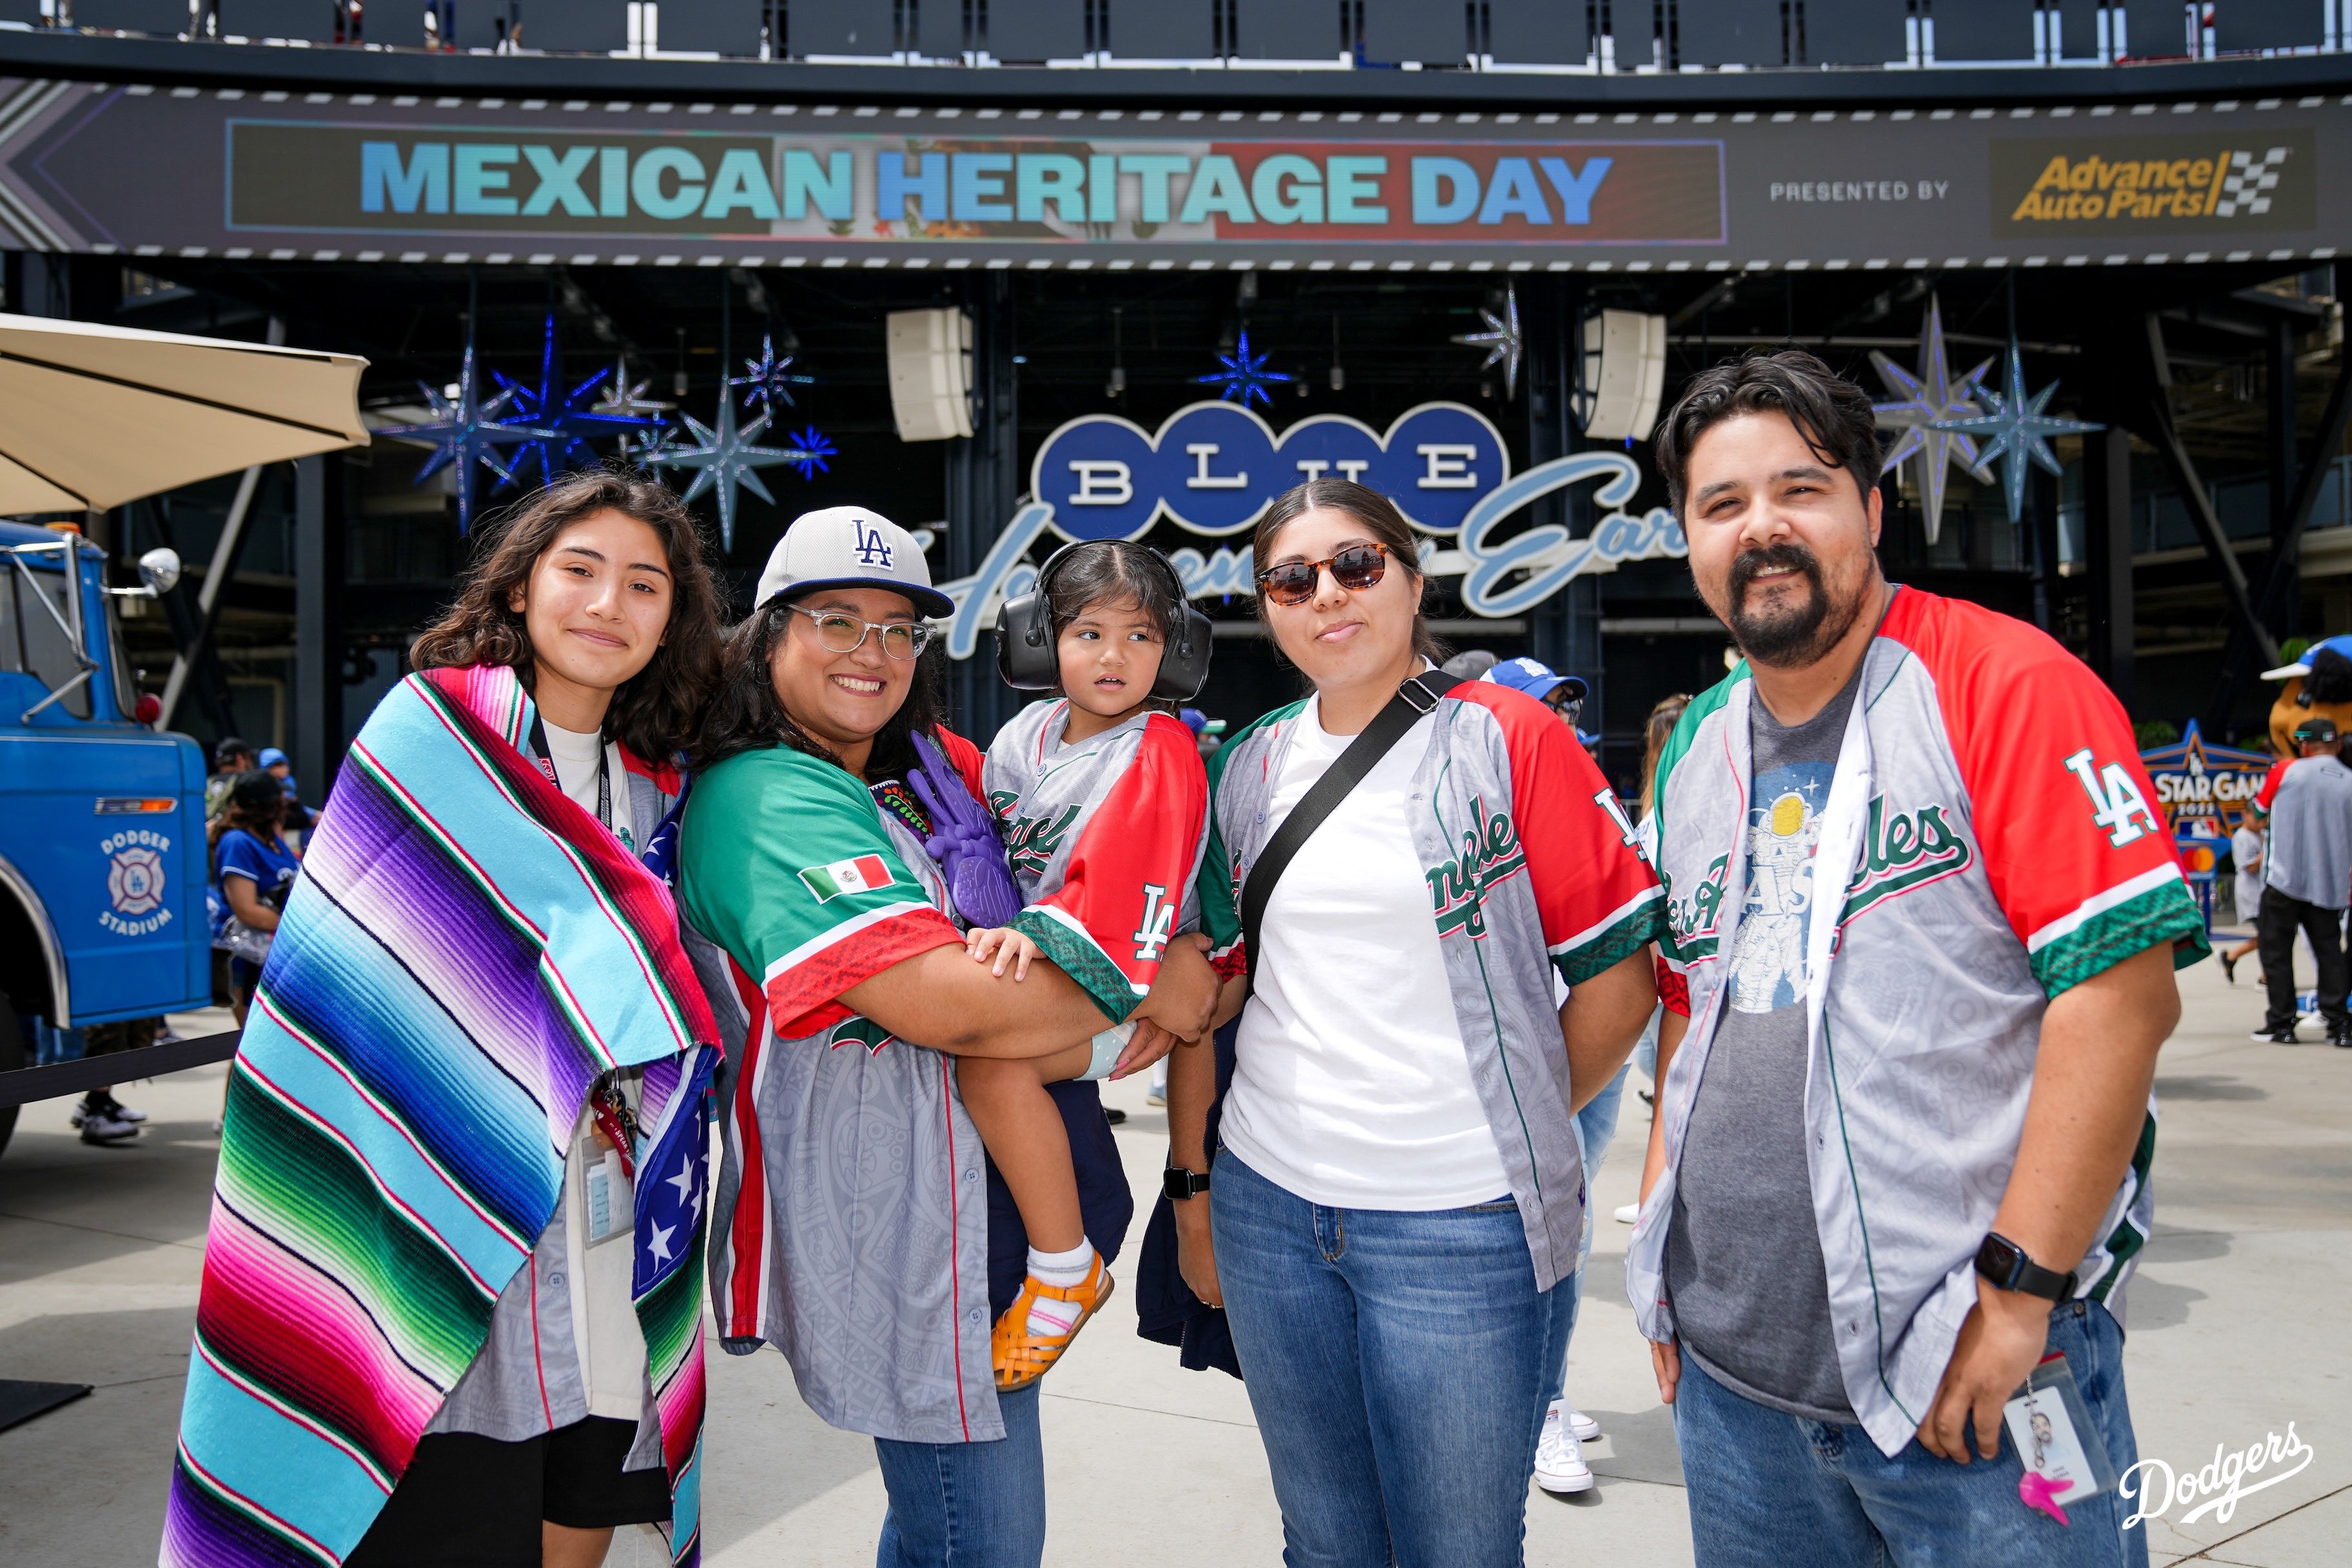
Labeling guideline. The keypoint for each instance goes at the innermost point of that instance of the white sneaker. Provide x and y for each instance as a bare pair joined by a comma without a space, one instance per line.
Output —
1559,1463
101,1127
1629,1214
1583,1427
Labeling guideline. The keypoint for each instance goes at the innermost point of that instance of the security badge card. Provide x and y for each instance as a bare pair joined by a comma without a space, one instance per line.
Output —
610,1211
2065,1459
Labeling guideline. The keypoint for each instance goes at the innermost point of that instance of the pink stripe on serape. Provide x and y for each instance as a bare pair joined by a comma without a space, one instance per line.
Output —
287,1326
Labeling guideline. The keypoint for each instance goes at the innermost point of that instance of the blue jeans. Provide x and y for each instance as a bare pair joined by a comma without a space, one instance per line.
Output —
1780,1491
967,1505
1399,1364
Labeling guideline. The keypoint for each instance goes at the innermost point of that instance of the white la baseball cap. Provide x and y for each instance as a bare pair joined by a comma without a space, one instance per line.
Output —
851,547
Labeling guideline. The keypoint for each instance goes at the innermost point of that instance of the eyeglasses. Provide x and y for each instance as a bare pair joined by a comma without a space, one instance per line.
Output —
1354,567
839,633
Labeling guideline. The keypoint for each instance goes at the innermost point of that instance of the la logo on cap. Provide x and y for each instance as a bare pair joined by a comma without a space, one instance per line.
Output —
872,549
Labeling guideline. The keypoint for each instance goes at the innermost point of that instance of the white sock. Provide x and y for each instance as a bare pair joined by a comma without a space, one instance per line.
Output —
1047,1316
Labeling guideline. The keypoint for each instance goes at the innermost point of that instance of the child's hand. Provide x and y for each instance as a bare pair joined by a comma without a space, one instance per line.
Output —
1006,946
1145,1046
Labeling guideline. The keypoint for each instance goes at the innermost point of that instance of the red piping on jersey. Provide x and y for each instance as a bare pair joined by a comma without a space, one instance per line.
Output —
955,1279
748,1227
539,1355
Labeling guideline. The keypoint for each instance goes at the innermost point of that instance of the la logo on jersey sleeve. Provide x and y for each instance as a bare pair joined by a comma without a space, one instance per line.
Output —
861,874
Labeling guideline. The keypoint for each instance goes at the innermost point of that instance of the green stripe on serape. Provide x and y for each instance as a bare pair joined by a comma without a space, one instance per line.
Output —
2162,914
671,1312
2129,1238
1103,982
313,1196
1630,935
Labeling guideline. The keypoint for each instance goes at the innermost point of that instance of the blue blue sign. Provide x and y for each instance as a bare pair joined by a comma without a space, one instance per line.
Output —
1213,468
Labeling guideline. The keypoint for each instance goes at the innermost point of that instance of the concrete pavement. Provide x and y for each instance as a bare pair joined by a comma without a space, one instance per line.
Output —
2235,1319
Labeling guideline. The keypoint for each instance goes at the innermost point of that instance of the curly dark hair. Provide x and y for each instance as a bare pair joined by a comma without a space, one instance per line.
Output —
654,712
1831,413
744,714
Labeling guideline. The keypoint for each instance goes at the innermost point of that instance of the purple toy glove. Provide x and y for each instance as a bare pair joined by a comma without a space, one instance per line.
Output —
963,842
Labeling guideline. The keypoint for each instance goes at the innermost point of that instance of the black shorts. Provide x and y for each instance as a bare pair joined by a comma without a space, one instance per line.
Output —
476,1502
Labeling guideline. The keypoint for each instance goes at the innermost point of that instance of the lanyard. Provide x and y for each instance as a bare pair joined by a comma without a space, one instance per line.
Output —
546,760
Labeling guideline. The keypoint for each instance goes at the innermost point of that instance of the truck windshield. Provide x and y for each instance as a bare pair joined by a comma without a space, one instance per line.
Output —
38,645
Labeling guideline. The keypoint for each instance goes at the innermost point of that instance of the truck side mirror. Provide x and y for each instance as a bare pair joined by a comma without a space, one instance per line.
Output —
158,570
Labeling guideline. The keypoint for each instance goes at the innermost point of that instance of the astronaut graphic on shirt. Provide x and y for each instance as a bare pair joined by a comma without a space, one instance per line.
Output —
1784,825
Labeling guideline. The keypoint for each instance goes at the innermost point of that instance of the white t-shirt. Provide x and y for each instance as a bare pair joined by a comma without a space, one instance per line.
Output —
574,757
1351,1087
599,1211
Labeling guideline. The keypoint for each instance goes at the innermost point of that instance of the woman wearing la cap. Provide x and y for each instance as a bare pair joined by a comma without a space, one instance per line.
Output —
1396,1202
834,847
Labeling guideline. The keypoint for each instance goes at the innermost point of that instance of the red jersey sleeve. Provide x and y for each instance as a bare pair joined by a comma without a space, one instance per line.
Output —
2079,858
1122,894
2269,792
1598,898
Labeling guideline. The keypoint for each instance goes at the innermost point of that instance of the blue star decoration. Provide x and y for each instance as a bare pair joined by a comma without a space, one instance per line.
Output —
2019,431
767,380
728,457
1501,340
467,431
1924,404
1244,376
576,417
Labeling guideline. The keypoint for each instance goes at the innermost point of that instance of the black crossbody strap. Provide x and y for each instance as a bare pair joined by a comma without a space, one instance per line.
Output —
1416,698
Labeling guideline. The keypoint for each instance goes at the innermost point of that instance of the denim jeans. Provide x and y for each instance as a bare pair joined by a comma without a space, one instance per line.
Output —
1399,1363
967,1505
1780,1491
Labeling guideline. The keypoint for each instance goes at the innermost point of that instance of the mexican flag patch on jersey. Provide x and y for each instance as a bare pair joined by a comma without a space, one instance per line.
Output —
862,875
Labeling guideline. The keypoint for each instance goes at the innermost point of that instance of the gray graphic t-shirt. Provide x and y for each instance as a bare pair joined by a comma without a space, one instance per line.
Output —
1743,1260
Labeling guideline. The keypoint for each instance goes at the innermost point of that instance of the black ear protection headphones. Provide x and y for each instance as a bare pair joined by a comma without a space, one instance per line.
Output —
1026,657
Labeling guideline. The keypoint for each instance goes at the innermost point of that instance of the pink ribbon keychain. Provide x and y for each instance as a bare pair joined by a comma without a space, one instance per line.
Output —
2040,1492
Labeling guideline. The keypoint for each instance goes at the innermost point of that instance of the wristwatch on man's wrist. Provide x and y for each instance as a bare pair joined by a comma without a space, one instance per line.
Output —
1176,1184
2004,1263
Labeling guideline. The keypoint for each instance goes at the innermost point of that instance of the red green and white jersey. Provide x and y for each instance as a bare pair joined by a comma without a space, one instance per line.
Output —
1533,873
1996,841
1105,837
850,1216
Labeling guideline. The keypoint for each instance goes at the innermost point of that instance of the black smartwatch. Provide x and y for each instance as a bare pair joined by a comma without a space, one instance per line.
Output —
1176,1183
2004,1263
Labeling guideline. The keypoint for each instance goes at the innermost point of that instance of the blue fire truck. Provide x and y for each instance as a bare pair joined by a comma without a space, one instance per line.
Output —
102,858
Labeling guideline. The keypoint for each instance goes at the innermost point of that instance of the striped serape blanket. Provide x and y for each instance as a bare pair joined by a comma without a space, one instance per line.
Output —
466,951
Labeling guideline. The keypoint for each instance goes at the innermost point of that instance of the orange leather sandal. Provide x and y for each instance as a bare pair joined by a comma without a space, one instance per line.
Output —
1020,1358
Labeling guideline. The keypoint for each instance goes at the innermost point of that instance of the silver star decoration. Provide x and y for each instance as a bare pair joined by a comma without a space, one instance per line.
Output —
626,399
1501,340
728,458
768,381
1922,404
467,431
2021,432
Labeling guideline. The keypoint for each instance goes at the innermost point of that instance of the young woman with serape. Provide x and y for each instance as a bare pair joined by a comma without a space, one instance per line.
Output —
835,847
1392,1217
450,1311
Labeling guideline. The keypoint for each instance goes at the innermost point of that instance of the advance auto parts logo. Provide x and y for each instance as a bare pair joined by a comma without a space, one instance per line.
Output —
2252,180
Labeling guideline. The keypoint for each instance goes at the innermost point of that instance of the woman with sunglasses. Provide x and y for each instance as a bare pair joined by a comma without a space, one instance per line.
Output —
837,848
1395,1204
